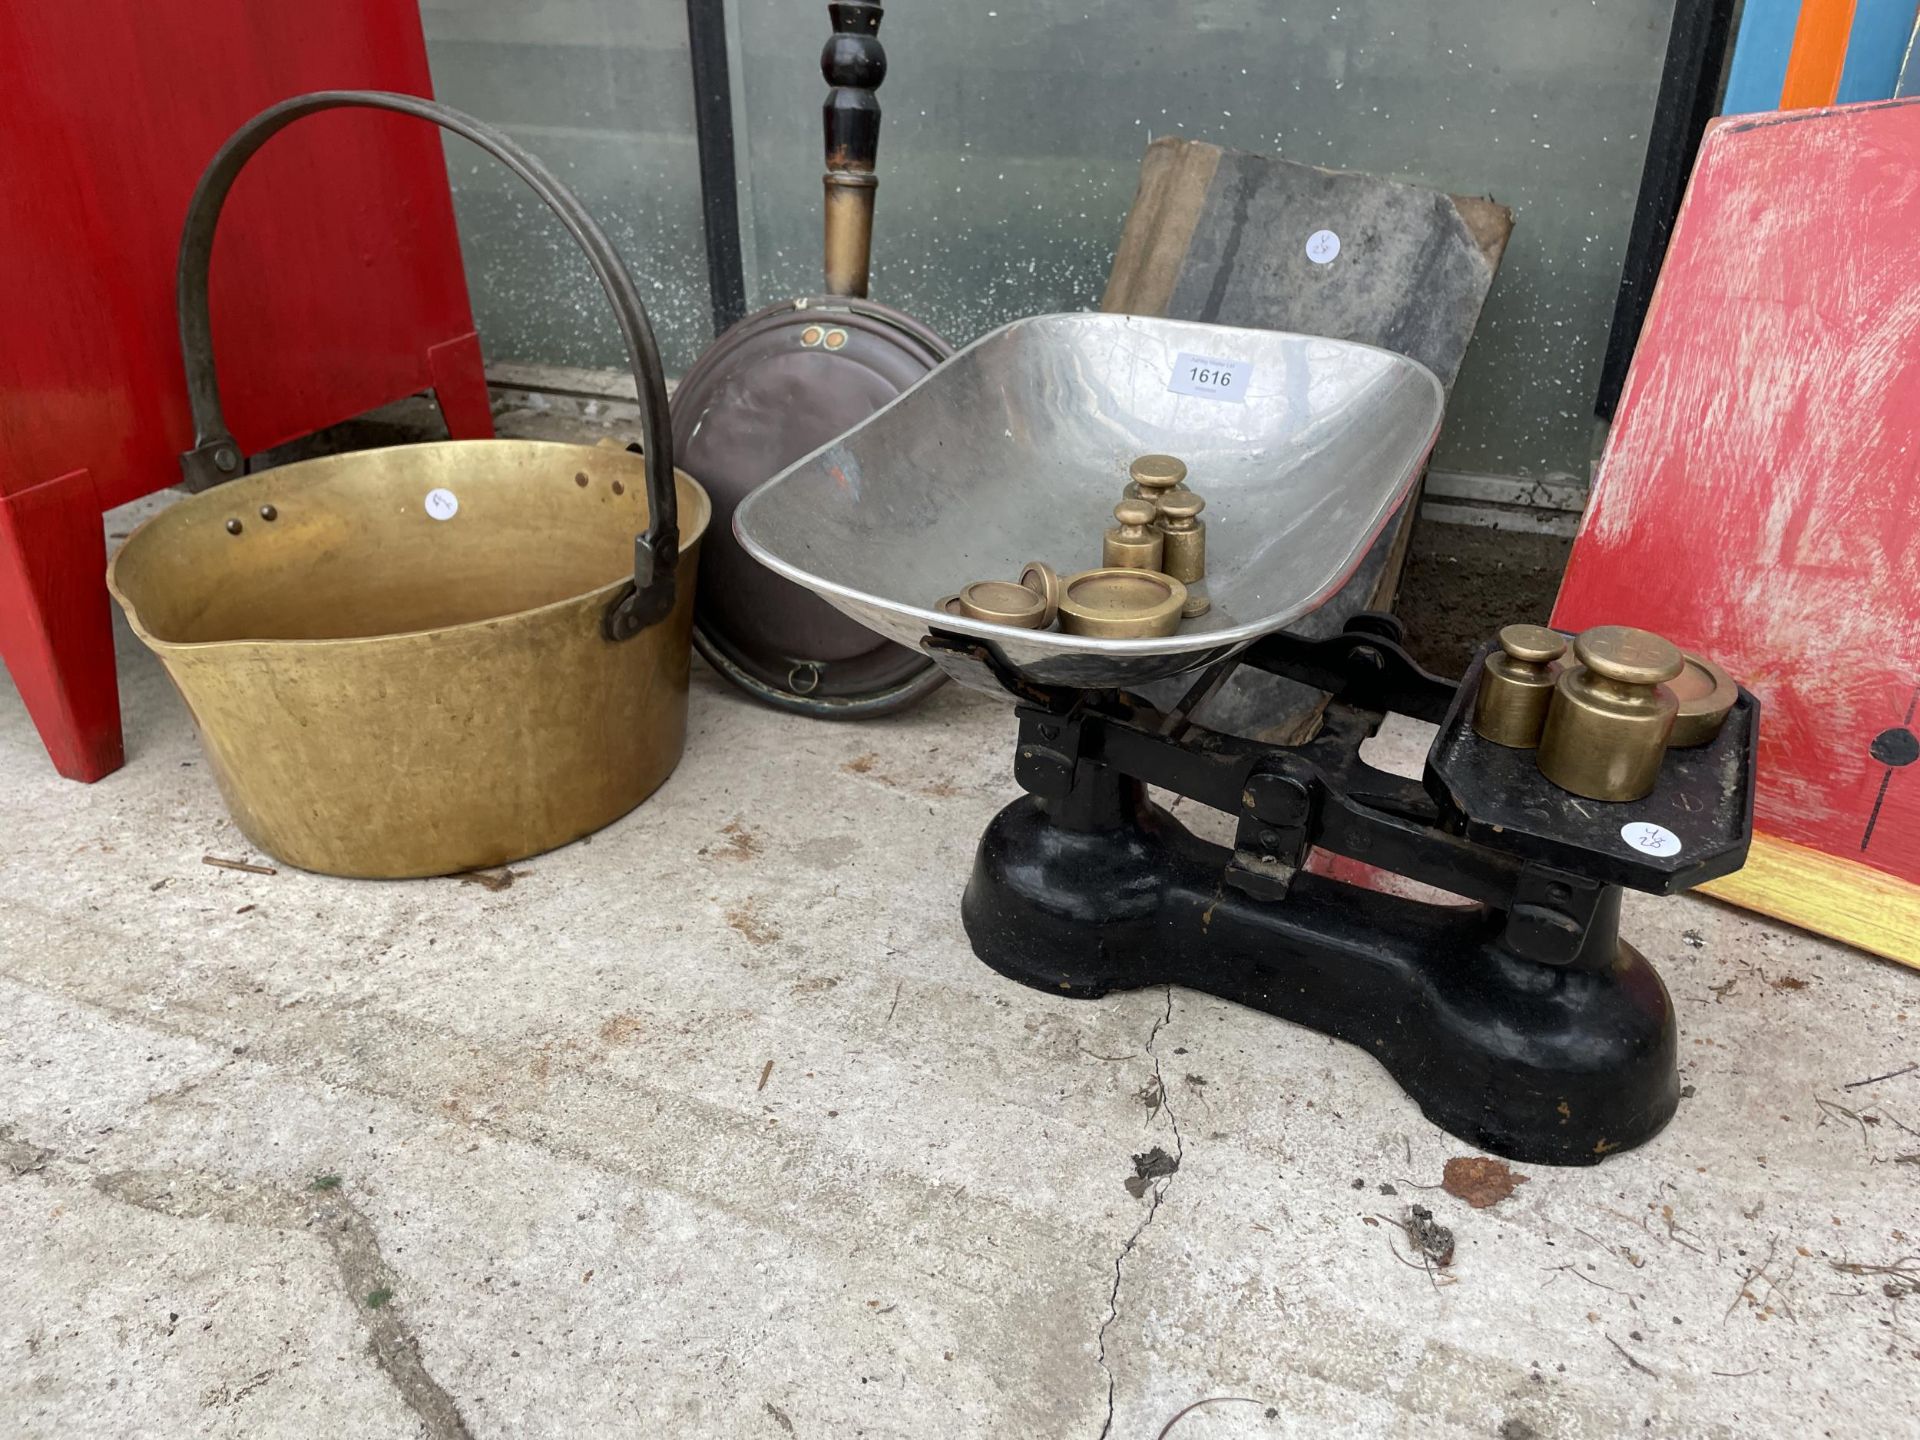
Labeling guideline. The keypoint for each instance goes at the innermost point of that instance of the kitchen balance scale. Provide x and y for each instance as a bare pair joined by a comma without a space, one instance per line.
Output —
1516,1017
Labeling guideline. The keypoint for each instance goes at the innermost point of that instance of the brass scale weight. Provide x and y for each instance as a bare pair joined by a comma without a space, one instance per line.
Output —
1152,562
1602,724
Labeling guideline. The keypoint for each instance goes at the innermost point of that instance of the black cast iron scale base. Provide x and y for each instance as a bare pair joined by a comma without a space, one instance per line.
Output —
1522,1023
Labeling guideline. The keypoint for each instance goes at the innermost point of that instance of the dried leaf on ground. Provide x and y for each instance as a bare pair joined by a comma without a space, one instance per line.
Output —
1480,1181
1155,1164
492,880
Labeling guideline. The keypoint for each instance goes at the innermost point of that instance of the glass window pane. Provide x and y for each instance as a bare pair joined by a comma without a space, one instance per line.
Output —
1013,133
600,90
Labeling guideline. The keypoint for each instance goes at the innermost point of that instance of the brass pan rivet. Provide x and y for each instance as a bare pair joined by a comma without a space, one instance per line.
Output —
234,527
267,512
811,335
835,339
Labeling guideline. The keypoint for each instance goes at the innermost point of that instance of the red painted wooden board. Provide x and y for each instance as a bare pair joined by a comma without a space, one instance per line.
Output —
337,283
1759,499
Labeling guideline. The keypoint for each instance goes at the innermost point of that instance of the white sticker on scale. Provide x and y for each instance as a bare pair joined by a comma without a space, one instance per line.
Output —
1323,247
442,504
1210,378
1650,839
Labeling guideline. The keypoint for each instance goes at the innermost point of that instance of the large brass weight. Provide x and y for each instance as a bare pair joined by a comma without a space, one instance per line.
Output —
1611,714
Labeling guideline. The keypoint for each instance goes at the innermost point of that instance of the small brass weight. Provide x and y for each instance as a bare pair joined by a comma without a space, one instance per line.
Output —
1516,686
1185,545
1133,544
1611,714
1151,476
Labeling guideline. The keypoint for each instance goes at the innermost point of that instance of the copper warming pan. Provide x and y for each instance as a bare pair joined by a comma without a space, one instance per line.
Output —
429,658
779,385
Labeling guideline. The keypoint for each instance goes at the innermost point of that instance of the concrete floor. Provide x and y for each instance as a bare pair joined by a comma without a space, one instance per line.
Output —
713,1126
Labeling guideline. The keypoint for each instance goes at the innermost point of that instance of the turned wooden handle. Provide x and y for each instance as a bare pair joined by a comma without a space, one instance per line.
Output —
853,64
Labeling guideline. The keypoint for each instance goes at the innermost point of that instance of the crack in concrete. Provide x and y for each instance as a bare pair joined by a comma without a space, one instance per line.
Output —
369,1281
17,1157
1153,1209
188,1086
360,1058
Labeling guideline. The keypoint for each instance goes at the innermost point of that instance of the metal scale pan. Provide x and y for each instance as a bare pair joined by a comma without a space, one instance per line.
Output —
1017,448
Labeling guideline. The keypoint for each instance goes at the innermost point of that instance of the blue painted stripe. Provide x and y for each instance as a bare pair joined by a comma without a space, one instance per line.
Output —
1760,52
1875,47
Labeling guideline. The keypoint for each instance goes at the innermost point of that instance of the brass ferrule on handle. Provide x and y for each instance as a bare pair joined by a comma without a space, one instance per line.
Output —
849,245
853,65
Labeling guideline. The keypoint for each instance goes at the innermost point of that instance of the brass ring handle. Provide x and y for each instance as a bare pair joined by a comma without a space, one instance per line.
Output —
216,457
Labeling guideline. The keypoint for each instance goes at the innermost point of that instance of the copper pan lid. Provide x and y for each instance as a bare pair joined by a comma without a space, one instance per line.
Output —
774,388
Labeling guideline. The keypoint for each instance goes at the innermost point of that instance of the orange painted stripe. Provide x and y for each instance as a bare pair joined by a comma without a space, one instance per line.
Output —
1828,895
1819,54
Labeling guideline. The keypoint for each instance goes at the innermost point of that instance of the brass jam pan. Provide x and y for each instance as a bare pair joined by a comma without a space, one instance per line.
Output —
1003,602
1115,603
385,688
1044,581
1706,693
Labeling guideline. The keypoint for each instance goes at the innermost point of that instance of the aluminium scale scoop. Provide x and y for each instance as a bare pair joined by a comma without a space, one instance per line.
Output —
1017,448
